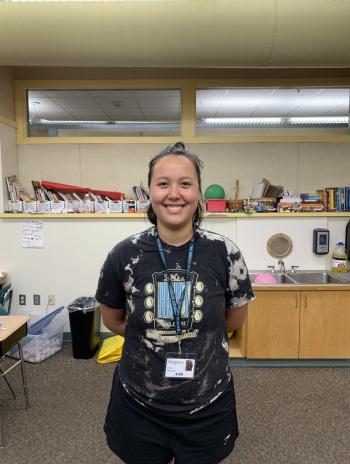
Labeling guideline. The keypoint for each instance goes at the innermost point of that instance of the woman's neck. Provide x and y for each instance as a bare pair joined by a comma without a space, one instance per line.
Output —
175,237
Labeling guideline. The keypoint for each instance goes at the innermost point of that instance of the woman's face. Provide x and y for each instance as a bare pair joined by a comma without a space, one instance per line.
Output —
175,192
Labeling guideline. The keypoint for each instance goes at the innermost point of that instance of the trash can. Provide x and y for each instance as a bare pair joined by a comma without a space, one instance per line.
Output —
84,321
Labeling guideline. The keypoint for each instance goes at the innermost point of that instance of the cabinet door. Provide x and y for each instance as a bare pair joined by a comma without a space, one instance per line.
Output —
273,325
325,324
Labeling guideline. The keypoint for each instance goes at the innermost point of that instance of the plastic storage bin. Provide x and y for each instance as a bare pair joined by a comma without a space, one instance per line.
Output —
216,206
38,347
84,320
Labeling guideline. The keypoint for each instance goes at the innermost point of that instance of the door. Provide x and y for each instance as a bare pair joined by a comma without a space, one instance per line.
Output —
273,325
325,324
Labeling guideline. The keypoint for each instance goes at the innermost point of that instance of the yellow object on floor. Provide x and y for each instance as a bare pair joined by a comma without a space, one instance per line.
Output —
111,350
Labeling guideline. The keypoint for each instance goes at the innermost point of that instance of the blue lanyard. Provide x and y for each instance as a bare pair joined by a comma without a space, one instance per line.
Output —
176,305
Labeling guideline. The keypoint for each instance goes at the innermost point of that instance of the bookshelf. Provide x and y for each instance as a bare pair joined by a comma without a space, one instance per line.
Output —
143,215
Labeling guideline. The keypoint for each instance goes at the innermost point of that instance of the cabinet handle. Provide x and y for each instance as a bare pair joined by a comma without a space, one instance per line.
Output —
305,301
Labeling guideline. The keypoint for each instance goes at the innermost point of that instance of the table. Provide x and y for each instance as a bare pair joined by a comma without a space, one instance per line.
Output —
12,330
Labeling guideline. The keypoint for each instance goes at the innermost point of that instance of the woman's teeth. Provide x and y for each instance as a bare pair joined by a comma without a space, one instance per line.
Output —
174,209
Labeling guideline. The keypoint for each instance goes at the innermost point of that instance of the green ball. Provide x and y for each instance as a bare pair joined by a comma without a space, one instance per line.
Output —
214,191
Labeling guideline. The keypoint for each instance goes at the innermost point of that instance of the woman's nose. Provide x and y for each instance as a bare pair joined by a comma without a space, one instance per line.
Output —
174,191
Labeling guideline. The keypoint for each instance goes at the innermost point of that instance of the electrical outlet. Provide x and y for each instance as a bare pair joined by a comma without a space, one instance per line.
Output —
36,299
22,299
51,300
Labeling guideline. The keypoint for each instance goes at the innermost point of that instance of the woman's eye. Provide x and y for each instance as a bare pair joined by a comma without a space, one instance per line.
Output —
162,184
186,184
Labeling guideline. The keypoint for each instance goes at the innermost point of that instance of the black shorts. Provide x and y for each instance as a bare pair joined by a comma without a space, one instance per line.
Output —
139,435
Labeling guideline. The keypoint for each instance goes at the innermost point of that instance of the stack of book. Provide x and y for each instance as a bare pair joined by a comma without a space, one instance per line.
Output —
15,190
337,198
311,202
289,203
42,194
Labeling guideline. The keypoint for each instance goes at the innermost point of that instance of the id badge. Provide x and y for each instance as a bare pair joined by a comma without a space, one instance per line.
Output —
180,366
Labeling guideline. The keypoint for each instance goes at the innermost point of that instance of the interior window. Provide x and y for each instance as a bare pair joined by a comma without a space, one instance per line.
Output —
95,112
272,111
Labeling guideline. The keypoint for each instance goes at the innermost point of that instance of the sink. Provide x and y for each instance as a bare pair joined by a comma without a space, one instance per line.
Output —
279,277
299,277
317,277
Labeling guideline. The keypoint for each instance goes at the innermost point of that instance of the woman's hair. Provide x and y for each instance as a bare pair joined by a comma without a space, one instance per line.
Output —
178,149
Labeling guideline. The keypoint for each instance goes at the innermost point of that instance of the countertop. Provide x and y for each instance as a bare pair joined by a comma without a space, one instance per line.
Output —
309,287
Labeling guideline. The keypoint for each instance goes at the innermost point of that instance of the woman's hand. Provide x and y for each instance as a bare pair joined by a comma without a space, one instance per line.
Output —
235,317
114,319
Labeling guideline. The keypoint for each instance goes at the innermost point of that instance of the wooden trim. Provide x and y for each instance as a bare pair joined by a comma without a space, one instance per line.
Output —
22,139
273,82
79,140
188,111
7,121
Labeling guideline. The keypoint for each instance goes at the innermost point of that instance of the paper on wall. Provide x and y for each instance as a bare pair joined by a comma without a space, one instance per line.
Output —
32,234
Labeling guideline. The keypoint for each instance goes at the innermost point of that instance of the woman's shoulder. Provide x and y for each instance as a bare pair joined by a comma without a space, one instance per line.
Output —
222,244
222,241
135,241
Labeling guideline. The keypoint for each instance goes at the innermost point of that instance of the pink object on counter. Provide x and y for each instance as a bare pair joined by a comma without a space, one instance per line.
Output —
265,279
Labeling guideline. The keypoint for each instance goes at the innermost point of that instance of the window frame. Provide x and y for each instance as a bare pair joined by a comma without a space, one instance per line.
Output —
188,88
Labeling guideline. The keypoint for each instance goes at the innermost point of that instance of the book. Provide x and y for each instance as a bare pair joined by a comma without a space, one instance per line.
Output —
258,190
77,196
331,198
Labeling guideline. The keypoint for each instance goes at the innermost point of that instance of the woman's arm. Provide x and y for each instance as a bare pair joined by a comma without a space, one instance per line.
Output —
114,319
235,317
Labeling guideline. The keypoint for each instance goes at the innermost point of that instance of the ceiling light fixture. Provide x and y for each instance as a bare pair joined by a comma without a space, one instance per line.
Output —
75,122
331,120
280,121
242,121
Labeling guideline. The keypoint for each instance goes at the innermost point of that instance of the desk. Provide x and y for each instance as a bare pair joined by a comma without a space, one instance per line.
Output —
12,330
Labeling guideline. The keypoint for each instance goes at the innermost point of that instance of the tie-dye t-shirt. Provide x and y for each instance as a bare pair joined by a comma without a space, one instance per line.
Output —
133,278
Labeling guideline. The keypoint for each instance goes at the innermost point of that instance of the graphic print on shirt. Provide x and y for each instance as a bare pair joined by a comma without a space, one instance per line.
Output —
159,312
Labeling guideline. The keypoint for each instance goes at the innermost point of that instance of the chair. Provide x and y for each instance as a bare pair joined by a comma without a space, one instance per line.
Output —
16,329
5,299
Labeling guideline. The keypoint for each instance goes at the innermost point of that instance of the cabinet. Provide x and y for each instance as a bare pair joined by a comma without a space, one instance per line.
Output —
325,324
295,324
237,343
273,325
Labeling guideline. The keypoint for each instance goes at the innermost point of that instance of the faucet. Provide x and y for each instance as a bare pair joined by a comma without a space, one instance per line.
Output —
282,266
292,268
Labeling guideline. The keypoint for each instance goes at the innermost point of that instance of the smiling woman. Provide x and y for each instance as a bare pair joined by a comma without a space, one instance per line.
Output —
173,291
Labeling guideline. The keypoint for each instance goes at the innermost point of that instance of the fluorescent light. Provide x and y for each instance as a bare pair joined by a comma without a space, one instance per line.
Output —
75,122
332,120
280,121
242,121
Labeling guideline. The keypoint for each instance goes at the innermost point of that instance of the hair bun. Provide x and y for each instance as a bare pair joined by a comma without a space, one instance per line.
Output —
178,148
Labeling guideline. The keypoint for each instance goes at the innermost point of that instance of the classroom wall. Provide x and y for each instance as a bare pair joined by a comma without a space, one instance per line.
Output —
8,159
74,250
69,263
300,167
8,147
7,99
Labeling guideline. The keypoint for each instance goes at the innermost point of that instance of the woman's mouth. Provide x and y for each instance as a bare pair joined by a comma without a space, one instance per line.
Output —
174,208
